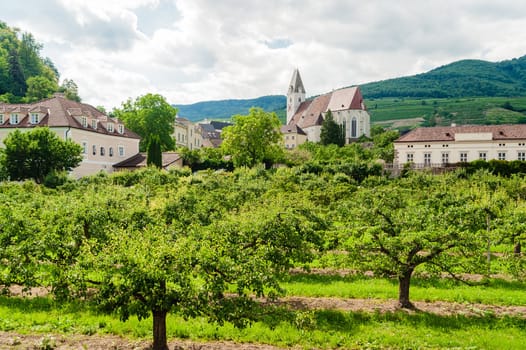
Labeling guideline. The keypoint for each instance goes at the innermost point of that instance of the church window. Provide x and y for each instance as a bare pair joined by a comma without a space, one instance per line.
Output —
353,128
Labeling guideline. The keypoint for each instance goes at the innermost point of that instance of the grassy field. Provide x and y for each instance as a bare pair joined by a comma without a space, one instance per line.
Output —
323,328
495,292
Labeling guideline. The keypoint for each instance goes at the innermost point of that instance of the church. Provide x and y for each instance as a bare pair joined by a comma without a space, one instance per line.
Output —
346,105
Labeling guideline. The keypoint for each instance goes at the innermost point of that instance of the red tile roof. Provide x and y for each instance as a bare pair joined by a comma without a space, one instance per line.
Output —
60,112
447,133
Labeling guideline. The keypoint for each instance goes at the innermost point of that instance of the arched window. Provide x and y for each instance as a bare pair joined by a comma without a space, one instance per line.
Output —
110,151
344,129
102,151
353,128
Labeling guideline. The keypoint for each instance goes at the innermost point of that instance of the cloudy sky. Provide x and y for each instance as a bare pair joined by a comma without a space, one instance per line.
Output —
196,50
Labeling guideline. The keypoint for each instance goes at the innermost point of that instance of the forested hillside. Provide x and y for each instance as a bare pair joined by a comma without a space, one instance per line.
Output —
466,78
25,75
226,108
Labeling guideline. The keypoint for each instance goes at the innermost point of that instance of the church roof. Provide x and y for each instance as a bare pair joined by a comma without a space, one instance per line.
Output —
310,112
296,85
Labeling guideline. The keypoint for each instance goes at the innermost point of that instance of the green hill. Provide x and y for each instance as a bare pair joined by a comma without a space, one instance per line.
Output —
466,78
225,109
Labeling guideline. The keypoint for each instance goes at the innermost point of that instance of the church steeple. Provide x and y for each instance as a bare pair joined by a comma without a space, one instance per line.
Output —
295,94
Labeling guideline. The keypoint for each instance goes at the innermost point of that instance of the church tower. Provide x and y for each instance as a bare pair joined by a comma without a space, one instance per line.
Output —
295,94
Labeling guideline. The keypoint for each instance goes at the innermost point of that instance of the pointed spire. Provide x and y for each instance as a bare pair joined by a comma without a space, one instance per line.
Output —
296,85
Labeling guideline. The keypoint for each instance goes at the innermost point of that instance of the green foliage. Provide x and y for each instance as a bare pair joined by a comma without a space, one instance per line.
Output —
37,153
466,78
444,111
253,139
70,90
149,115
226,108
420,220
206,158
155,155
39,88
331,132
24,74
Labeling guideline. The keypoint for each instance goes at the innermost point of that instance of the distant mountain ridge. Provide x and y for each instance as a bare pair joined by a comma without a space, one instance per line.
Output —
224,109
465,78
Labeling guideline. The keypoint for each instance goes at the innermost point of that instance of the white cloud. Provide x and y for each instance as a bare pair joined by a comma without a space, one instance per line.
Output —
194,50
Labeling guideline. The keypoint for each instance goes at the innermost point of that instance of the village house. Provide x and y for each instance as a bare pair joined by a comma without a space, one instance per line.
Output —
187,134
293,136
439,146
346,106
198,135
104,140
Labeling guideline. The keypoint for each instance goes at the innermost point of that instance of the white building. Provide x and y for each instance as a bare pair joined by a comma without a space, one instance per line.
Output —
438,146
346,106
187,134
104,140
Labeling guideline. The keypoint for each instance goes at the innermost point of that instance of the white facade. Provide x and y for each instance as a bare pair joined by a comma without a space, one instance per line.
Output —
425,146
104,140
187,134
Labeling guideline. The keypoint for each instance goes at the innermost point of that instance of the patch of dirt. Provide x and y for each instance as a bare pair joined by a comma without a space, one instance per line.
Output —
13,340
441,308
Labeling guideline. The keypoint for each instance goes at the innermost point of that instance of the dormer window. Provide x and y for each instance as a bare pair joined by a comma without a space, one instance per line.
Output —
84,121
110,127
14,118
35,118
121,129
94,123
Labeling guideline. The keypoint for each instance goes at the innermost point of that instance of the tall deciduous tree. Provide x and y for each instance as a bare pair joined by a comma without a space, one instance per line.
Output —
39,87
149,115
37,153
70,90
253,139
331,132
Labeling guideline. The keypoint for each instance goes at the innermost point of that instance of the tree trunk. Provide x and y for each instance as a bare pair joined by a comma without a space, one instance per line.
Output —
404,281
517,248
159,330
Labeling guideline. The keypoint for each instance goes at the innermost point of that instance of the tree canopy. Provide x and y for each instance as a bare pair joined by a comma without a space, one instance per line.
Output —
148,116
253,139
37,153
331,132
25,76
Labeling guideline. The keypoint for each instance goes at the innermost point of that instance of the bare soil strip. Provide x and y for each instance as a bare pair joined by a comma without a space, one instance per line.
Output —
13,340
440,308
